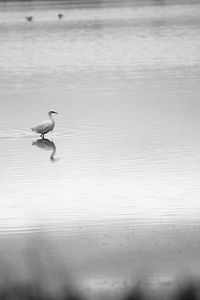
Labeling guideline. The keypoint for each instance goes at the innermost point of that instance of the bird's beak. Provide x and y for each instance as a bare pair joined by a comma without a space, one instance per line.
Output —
54,112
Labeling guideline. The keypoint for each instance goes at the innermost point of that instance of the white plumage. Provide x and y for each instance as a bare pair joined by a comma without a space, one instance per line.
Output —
45,126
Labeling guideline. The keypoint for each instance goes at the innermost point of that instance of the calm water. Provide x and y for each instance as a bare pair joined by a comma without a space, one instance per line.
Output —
122,167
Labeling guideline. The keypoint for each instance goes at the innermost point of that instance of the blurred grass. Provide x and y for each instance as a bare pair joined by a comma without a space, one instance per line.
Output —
32,269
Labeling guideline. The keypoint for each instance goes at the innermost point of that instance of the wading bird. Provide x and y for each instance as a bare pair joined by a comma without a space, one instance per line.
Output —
45,126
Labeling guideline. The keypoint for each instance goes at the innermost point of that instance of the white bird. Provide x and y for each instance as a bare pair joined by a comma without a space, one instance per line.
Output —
45,126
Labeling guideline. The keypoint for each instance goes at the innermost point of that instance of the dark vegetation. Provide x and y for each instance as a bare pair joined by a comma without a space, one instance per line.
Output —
32,292
187,291
35,269
27,292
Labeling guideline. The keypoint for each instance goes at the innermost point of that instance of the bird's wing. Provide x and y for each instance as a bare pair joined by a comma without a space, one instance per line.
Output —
42,127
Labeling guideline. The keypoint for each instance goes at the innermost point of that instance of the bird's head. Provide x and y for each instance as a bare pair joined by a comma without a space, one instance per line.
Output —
52,112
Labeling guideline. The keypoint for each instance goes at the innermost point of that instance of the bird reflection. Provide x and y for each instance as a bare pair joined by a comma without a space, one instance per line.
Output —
46,144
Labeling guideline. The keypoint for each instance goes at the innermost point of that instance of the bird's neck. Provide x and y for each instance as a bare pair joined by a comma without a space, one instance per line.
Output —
51,118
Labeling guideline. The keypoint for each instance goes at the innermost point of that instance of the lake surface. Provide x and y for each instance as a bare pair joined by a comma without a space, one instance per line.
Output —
119,176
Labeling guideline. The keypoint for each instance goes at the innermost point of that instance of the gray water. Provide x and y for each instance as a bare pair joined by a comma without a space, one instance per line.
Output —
121,169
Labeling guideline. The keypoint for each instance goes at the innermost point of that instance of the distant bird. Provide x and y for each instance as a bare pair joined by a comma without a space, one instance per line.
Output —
60,16
29,19
45,126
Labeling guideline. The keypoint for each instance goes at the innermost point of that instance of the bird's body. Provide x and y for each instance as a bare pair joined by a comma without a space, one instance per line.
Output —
45,126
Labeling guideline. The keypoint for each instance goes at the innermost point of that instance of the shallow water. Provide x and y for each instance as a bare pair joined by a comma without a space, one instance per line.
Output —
124,155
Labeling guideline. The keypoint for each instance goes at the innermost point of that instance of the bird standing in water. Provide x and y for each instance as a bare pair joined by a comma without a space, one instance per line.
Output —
45,126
